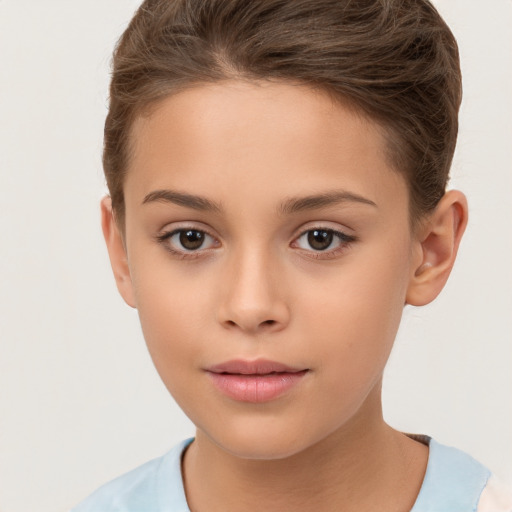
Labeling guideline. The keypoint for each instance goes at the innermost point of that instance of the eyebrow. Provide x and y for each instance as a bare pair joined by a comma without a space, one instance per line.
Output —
182,199
299,204
290,206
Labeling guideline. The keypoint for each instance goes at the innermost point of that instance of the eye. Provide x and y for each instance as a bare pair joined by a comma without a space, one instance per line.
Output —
187,240
322,239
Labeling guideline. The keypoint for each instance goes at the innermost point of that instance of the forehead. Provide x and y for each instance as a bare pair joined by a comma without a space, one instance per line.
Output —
260,138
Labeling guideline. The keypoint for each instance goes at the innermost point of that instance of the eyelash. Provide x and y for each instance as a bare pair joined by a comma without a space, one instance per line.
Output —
190,254
344,240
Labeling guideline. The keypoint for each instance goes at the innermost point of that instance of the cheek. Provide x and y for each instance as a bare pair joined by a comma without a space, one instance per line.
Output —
357,315
172,310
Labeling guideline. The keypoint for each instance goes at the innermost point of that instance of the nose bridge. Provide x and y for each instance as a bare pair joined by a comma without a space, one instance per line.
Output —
253,297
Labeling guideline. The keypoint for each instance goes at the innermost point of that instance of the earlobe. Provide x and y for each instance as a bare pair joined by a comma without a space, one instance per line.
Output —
117,252
439,240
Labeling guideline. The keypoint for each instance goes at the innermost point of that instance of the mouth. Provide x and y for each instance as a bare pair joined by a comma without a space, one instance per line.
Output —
255,381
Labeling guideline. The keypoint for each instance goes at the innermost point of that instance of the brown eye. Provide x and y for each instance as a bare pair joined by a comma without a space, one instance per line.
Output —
320,239
187,240
191,239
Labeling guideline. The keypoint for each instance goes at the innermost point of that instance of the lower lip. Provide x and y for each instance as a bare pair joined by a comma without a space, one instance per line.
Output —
256,388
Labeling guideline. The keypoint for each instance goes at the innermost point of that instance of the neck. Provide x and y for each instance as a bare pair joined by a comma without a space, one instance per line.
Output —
363,466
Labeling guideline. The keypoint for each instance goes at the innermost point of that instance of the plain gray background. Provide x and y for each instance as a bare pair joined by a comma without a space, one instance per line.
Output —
80,402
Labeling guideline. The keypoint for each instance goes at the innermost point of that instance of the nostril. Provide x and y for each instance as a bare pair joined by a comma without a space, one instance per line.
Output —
248,325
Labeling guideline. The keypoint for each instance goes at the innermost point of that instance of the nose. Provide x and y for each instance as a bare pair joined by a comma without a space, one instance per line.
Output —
253,295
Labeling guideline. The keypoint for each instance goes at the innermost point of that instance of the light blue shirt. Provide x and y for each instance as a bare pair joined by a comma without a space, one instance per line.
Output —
453,482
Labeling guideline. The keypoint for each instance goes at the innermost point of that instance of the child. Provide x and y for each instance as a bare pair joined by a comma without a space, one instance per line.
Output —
277,174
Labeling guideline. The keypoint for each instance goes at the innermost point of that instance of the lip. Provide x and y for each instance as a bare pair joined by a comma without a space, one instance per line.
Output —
255,381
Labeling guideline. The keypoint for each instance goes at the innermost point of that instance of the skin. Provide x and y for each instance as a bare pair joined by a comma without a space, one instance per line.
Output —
257,289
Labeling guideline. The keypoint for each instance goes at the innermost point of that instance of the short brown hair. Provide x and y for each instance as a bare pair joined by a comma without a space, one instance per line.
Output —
396,61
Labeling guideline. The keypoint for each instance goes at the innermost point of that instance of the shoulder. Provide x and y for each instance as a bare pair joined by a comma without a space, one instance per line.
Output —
152,486
454,481
496,497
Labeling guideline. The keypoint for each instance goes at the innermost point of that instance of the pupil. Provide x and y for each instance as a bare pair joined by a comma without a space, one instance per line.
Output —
320,240
191,239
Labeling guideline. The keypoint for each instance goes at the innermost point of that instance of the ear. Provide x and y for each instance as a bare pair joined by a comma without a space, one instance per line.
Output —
117,252
439,239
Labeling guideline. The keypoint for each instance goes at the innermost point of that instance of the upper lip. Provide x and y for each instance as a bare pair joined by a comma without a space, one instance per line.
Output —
256,367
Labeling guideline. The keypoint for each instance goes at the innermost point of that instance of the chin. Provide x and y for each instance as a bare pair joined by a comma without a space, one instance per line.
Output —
262,449
257,441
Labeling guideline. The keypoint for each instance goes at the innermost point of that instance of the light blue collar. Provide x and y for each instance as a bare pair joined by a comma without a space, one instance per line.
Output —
170,489
453,481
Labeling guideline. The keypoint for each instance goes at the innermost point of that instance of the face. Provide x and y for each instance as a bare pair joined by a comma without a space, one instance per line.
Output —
269,255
